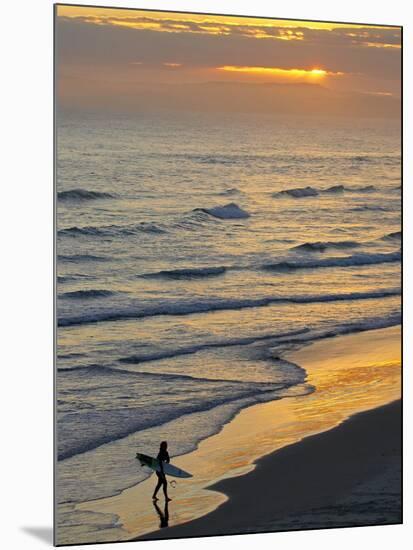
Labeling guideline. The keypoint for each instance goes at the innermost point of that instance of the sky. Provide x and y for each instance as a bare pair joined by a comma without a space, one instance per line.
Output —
137,60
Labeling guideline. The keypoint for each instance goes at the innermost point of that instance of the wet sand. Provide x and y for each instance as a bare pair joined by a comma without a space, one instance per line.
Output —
288,464
350,475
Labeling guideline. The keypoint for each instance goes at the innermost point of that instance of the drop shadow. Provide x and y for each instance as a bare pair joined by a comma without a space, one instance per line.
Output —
45,534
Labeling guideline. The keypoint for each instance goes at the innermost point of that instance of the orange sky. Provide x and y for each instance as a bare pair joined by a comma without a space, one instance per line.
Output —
113,53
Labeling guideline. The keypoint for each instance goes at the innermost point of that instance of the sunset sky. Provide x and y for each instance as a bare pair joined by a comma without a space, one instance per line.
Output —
137,60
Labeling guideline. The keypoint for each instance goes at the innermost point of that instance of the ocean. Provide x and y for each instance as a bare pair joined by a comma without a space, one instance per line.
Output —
193,250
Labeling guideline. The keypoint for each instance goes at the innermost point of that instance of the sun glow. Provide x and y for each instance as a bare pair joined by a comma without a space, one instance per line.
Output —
294,74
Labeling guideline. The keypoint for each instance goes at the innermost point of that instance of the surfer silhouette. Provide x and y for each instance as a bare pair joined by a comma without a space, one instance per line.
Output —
162,457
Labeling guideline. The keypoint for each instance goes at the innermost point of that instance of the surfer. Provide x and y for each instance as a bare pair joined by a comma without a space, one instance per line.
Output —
162,457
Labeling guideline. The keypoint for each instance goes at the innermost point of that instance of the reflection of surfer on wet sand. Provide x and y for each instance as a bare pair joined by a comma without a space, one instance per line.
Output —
163,516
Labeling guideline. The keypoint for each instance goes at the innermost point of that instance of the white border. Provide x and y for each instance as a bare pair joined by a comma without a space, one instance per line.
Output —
26,275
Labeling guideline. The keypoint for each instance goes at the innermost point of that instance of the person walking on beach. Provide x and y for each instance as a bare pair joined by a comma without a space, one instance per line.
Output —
162,457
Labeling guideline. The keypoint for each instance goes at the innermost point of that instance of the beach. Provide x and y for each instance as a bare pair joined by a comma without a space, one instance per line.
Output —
348,476
328,458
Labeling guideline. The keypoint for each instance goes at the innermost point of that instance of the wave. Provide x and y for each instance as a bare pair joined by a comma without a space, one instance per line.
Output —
74,277
298,192
369,208
395,236
335,189
391,320
362,189
129,420
188,273
355,189
170,353
320,246
125,421
92,293
81,258
209,159
171,376
69,356
227,212
361,158
83,195
229,192
112,230
189,308
347,261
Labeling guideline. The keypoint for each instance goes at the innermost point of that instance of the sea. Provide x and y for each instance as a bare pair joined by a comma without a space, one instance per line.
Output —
193,251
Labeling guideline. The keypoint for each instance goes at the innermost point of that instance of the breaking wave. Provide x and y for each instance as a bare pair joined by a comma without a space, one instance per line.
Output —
112,230
81,258
92,293
230,192
169,353
320,246
188,273
83,195
208,305
347,261
369,208
298,192
227,212
395,236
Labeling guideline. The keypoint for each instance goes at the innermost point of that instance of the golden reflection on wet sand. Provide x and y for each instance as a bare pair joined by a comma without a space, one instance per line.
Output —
351,374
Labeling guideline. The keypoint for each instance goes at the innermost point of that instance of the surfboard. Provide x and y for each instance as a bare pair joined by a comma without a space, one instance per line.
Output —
169,469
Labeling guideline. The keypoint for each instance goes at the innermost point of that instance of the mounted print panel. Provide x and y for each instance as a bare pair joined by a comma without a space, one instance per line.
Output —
228,247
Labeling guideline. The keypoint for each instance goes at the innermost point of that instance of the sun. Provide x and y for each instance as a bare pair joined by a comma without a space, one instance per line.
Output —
318,72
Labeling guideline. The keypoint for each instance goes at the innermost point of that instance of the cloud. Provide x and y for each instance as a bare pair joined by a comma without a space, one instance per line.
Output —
274,29
215,26
370,37
84,43
112,64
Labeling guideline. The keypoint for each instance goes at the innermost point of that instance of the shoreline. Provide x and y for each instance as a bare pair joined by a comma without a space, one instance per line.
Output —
335,483
367,363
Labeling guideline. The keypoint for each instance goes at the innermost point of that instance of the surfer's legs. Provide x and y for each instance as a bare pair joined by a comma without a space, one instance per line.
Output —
158,486
165,488
161,483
